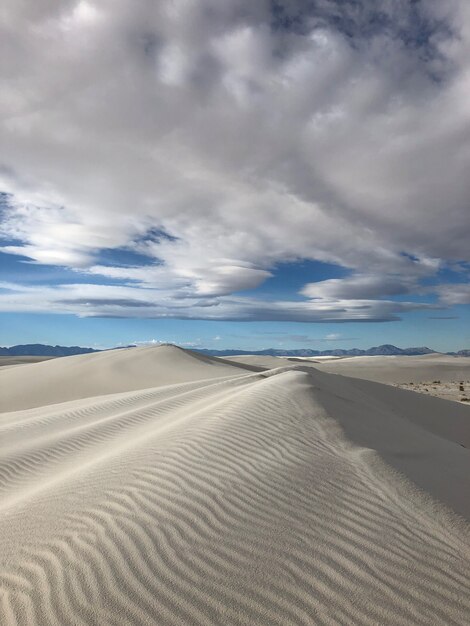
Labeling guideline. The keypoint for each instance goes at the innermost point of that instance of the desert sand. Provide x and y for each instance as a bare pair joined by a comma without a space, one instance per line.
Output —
156,486
438,375
113,371
10,361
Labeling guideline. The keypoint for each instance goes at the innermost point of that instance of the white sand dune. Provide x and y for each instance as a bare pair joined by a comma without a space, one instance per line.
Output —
284,497
11,361
381,369
402,369
438,375
112,371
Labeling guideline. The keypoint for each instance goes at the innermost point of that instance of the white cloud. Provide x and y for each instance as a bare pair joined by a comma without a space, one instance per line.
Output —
249,144
90,300
365,286
332,337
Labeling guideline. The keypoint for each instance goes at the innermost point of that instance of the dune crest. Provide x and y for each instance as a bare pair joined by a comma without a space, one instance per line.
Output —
111,371
287,497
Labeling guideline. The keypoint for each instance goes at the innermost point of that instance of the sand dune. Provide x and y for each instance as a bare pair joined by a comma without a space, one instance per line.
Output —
401,369
10,361
381,369
438,375
112,371
283,497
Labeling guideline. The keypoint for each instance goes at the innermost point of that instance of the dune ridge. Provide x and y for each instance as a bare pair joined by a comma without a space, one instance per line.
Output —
286,496
112,371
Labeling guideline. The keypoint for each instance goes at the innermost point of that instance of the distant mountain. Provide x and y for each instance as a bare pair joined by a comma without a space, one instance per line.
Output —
460,353
39,349
385,350
388,349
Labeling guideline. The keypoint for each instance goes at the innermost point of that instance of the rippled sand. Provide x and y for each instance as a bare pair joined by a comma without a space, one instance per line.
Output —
156,486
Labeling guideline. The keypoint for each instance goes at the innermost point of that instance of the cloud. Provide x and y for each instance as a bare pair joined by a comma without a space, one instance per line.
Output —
337,337
163,342
91,300
361,286
453,294
443,317
246,133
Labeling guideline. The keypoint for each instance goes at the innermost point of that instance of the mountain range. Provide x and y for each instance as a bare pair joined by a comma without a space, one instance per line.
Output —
384,350
39,349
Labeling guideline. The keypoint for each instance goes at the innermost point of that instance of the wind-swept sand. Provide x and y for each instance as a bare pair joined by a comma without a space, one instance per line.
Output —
438,375
10,361
401,369
218,495
112,371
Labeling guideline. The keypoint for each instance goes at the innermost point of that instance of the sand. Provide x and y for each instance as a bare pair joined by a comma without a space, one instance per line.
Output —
112,371
402,369
438,375
220,495
11,361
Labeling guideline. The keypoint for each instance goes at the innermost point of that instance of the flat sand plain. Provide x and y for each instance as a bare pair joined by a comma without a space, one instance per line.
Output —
437,375
157,486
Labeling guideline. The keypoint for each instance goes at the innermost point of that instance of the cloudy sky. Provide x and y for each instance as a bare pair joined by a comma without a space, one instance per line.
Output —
236,173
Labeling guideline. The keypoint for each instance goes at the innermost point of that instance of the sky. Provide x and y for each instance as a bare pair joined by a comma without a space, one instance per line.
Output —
238,174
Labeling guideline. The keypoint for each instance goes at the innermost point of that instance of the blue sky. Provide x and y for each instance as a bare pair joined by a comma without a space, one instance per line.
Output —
442,335
264,174
447,329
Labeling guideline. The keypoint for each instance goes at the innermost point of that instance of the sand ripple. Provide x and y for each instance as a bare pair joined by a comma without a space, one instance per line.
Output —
238,500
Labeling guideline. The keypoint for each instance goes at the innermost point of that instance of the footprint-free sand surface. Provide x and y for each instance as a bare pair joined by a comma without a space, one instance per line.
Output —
156,486
438,375
11,361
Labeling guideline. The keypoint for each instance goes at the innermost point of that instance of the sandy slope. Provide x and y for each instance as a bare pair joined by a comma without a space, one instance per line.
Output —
402,369
112,371
290,496
10,361
381,369
438,375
